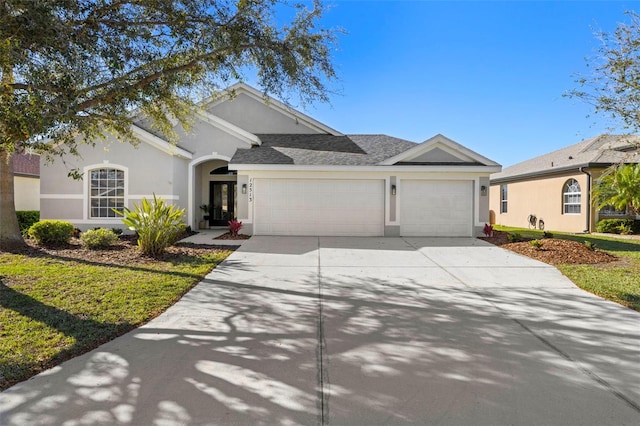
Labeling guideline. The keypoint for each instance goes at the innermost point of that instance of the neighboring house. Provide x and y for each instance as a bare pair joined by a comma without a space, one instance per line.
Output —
280,172
556,187
26,181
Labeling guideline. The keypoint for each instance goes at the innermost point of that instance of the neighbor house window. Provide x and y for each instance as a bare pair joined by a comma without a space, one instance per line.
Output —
503,198
571,197
106,192
611,211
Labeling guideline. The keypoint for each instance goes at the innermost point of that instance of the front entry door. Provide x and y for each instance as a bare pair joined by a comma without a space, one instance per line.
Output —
222,198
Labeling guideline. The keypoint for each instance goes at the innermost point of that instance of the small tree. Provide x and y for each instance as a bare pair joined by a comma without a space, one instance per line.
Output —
619,187
613,86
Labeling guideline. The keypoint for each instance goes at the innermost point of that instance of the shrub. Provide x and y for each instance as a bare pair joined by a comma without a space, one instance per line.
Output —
157,224
488,230
117,231
537,244
234,227
26,218
514,237
615,226
51,232
99,238
590,245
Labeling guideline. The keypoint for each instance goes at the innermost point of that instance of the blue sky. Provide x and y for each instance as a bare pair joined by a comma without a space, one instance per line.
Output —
488,74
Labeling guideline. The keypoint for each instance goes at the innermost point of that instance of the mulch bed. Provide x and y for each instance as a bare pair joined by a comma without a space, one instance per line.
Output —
553,251
228,236
123,252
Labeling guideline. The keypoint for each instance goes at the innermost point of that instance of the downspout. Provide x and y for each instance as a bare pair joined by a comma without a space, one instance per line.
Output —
588,228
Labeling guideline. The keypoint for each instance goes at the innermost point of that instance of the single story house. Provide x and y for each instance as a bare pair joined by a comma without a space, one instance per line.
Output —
556,187
26,181
280,172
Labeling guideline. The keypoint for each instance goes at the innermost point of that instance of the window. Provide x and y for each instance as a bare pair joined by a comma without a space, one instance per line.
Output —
503,198
571,197
106,192
611,211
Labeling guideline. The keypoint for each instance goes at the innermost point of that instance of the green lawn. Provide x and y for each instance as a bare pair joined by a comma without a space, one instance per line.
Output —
54,308
619,282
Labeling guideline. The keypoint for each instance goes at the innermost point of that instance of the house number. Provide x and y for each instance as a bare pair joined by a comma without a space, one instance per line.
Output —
251,190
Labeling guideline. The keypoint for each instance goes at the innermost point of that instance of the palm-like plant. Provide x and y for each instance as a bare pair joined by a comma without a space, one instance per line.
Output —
619,187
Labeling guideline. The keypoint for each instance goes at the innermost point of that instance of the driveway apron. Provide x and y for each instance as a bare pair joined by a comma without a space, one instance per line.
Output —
336,330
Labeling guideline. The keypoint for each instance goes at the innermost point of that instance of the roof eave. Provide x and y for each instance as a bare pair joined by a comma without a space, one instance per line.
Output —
549,172
366,168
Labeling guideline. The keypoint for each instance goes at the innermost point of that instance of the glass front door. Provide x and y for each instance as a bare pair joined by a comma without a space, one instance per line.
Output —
222,199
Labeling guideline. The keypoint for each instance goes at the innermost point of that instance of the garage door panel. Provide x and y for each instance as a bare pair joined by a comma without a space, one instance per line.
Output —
319,207
436,208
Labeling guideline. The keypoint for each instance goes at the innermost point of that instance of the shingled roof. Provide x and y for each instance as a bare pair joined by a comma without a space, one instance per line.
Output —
26,165
322,149
600,151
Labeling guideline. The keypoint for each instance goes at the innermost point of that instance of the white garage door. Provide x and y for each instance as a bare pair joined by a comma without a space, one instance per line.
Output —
436,208
319,207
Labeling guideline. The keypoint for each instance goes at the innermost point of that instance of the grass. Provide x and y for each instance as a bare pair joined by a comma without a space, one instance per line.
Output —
52,308
619,282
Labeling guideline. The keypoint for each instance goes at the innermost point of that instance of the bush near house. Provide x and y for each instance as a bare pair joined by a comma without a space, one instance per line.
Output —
157,224
51,232
618,226
98,238
26,218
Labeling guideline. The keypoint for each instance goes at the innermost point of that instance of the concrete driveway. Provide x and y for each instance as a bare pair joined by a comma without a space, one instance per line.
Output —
307,330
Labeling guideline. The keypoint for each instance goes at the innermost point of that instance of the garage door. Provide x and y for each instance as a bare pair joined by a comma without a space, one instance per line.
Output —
436,208
319,207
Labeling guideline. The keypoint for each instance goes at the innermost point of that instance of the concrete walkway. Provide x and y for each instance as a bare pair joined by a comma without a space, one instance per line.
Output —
306,330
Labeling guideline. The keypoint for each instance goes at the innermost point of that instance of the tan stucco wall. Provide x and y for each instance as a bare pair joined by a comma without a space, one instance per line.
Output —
26,192
542,197
256,117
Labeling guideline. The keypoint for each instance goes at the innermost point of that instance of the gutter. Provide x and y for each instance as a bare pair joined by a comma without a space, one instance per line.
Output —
548,172
588,228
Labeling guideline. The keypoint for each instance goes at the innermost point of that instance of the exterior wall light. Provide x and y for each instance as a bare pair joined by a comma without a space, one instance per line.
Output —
244,188
393,190
483,190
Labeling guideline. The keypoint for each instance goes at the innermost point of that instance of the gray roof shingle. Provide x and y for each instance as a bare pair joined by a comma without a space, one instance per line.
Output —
601,150
322,149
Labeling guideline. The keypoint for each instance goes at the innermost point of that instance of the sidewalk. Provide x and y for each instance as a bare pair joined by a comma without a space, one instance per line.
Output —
207,237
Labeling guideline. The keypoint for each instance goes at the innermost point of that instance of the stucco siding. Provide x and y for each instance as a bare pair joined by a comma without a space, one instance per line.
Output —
148,170
26,192
542,197
203,139
392,202
256,117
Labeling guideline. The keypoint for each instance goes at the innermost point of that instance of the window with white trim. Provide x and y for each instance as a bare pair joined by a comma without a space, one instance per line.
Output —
503,198
571,197
106,192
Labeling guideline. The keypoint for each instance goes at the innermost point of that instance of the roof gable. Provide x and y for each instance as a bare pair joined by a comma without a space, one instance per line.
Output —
242,90
439,150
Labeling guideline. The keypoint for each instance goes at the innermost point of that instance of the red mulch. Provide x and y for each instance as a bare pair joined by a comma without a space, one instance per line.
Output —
553,251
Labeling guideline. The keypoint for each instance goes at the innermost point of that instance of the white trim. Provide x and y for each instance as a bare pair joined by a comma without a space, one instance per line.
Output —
159,143
383,169
442,141
87,182
115,220
191,208
229,128
62,196
274,104
150,196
